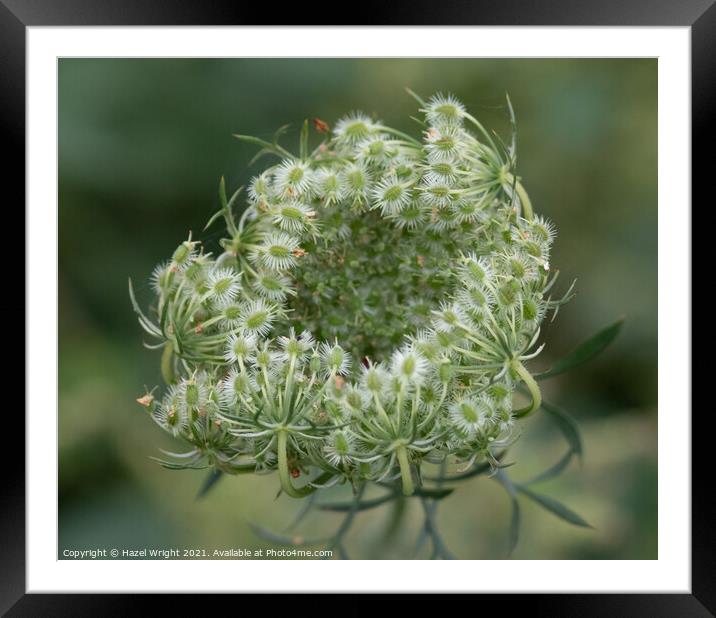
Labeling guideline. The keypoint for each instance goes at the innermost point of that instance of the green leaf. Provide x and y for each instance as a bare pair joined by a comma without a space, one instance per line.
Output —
416,97
516,517
476,470
279,132
222,193
554,470
275,149
232,201
434,493
344,507
513,126
226,207
553,506
144,321
567,425
584,352
170,465
211,479
213,218
515,521
408,138
294,541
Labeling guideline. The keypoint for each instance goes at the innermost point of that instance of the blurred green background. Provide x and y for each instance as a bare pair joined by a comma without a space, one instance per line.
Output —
142,144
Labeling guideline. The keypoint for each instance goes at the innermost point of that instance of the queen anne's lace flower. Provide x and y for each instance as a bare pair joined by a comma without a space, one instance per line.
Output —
371,309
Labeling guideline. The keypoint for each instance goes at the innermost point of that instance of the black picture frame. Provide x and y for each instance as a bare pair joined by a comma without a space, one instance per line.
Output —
699,15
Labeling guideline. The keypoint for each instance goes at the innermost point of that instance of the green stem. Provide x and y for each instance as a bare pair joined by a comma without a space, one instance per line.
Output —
382,412
288,391
408,488
283,471
167,369
527,211
531,385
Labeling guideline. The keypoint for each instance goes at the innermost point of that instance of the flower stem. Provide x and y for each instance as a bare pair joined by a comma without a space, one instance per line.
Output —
527,211
283,471
531,385
167,369
408,487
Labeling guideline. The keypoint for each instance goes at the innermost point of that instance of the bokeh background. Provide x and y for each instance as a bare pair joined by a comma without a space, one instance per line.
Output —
142,144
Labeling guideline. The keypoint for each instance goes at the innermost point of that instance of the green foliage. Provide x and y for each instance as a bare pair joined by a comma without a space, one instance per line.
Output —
554,507
584,352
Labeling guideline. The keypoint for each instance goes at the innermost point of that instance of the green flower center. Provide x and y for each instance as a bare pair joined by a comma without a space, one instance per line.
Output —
256,320
295,175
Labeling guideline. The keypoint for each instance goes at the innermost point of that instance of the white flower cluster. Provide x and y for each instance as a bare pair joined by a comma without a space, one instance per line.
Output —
371,310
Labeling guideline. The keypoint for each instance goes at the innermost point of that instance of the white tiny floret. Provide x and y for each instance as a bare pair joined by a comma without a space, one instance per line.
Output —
184,255
408,366
449,317
444,110
257,316
335,359
390,196
330,186
354,128
236,384
278,251
437,192
476,271
294,346
292,215
163,278
374,378
230,314
240,347
293,178
471,415
224,284
444,145
338,447
272,285
376,150
356,180
260,188
192,394
413,216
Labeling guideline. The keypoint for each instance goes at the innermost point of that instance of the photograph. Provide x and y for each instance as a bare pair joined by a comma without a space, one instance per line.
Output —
385,308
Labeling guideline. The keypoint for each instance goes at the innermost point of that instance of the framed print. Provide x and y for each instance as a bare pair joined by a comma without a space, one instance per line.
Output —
402,306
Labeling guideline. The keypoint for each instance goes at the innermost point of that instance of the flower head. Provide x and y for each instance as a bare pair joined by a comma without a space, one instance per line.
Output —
408,252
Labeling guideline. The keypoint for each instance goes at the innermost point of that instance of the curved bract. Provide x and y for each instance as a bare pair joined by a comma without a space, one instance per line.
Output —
372,308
